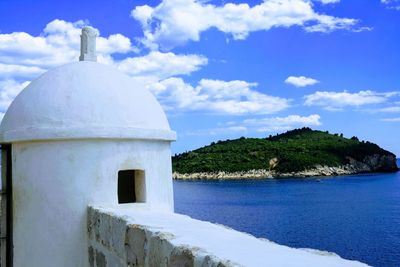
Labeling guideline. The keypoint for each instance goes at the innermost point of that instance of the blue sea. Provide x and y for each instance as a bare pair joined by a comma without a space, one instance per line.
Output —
357,217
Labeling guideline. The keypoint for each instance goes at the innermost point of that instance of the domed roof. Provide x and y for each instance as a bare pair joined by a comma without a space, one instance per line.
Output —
84,100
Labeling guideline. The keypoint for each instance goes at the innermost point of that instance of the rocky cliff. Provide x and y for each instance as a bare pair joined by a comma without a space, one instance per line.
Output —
371,163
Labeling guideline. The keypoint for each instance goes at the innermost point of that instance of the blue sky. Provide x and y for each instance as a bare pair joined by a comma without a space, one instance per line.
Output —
225,69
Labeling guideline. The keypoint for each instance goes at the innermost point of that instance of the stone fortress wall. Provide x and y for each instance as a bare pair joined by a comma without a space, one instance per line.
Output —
115,242
122,236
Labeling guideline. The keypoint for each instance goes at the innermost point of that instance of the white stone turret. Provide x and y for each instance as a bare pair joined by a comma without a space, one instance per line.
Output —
82,134
88,44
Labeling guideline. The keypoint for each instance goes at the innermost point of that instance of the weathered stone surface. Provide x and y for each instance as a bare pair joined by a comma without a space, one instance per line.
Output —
3,216
92,218
159,249
167,240
91,256
135,245
113,242
114,261
3,246
105,229
100,259
182,256
117,232
3,229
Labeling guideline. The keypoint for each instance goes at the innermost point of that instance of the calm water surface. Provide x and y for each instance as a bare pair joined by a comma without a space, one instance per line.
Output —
358,217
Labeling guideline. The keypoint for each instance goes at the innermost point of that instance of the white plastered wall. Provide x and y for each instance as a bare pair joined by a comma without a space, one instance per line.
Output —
55,181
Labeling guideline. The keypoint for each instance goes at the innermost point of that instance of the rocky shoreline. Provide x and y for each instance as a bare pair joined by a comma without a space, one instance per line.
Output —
373,163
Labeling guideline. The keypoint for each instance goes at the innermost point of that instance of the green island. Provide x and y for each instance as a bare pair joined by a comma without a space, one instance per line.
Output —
297,153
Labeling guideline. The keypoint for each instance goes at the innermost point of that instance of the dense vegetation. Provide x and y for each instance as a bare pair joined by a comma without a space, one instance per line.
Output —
295,150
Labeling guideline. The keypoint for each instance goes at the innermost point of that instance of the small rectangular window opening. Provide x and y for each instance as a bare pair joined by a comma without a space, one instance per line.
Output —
131,186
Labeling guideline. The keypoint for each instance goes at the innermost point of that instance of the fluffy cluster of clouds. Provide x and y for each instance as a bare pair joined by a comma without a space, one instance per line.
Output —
391,119
24,56
57,44
329,1
339,100
394,108
392,4
389,109
273,124
300,81
262,124
9,89
171,23
174,22
227,97
156,65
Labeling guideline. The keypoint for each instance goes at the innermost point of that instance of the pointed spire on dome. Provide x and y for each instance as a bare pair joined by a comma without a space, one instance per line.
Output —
88,44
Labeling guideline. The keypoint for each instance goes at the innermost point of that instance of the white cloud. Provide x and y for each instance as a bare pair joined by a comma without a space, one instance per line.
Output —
329,1
339,100
265,124
10,70
161,65
300,81
391,109
391,4
282,123
9,90
174,22
391,119
58,44
223,97
24,56
216,131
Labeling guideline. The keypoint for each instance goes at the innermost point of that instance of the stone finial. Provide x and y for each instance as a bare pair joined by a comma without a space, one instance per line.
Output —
88,44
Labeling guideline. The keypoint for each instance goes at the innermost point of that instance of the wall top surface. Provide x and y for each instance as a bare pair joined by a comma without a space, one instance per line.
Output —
220,242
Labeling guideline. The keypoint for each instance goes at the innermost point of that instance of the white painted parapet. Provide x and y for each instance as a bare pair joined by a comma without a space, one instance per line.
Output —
122,236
